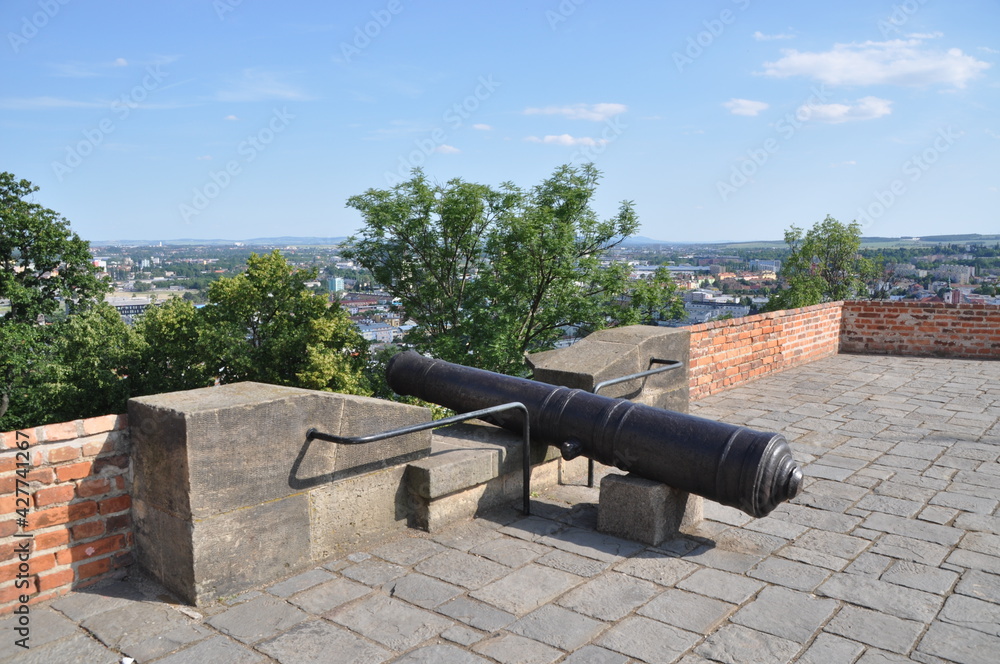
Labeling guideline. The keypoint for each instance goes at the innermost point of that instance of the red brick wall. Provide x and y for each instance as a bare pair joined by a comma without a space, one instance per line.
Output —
922,328
76,502
728,353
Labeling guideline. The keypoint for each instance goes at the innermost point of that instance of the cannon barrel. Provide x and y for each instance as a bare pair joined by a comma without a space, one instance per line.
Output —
732,465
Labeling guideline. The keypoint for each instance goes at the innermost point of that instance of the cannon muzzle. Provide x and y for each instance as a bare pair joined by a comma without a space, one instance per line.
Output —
736,466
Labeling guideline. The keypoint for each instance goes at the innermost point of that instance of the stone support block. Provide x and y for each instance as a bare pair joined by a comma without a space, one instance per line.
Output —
645,511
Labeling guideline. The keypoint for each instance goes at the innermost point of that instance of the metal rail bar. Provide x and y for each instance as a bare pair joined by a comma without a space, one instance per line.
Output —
670,364
314,434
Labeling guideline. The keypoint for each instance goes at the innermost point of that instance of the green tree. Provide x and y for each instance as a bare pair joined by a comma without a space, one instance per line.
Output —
823,264
489,274
262,325
45,268
654,299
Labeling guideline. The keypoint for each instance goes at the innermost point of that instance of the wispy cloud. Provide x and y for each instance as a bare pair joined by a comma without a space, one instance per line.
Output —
760,36
987,49
260,85
231,118
594,112
44,103
745,107
567,140
896,62
446,149
482,127
867,108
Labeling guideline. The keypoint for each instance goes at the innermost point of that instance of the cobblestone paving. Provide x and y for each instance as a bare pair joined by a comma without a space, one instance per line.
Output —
892,554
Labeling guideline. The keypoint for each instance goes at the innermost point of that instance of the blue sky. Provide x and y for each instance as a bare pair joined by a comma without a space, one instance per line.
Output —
723,120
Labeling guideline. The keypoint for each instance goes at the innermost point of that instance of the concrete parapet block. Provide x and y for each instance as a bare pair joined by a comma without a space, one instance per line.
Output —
229,494
618,352
643,510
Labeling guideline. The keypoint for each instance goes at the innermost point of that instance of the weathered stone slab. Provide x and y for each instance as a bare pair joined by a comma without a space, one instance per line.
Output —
689,611
317,642
611,596
388,621
647,640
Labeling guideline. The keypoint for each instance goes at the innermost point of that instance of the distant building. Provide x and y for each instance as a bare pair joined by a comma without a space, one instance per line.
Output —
765,266
379,332
956,274
130,307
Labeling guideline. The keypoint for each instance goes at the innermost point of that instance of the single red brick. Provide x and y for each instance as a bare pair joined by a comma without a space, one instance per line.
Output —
94,487
12,593
120,462
91,569
42,475
118,522
61,431
100,445
62,493
61,453
93,425
90,550
55,579
63,514
8,528
118,504
51,539
87,529
74,471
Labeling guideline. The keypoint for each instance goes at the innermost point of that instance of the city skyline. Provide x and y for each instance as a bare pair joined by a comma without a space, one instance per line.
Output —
722,122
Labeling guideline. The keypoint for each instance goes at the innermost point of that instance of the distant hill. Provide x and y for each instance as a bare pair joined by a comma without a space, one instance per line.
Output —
283,241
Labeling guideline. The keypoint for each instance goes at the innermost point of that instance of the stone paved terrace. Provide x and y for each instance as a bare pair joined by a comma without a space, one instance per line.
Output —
891,554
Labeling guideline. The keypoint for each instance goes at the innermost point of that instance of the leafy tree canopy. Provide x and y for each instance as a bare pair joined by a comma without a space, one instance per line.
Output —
491,273
824,264
44,269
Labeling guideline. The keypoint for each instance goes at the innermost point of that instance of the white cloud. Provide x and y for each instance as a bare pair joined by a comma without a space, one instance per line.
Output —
567,140
760,36
867,108
204,157
260,85
987,49
849,162
895,62
120,62
482,127
446,149
231,118
595,112
990,132
745,107
925,35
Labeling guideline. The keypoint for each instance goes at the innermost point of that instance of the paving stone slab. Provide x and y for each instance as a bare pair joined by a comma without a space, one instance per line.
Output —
510,551
217,650
814,558
960,644
721,585
423,591
882,596
694,613
46,626
980,585
647,640
257,619
972,613
77,648
987,543
914,550
477,614
97,599
876,629
591,544
921,530
735,644
558,627
819,519
330,595
373,573
786,613
466,535
462,635
610,597
301,582
921,577
965,502
408,551
388,621
146,650
462,569
657,567
788,573
440,654
319,642
526,589
513,649
595,655
830,649
532,528
572,563
973,560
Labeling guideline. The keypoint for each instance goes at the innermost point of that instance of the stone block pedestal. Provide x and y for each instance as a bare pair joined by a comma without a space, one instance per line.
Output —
645,511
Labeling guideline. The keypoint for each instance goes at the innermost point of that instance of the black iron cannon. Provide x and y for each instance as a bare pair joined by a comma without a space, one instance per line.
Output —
750,470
